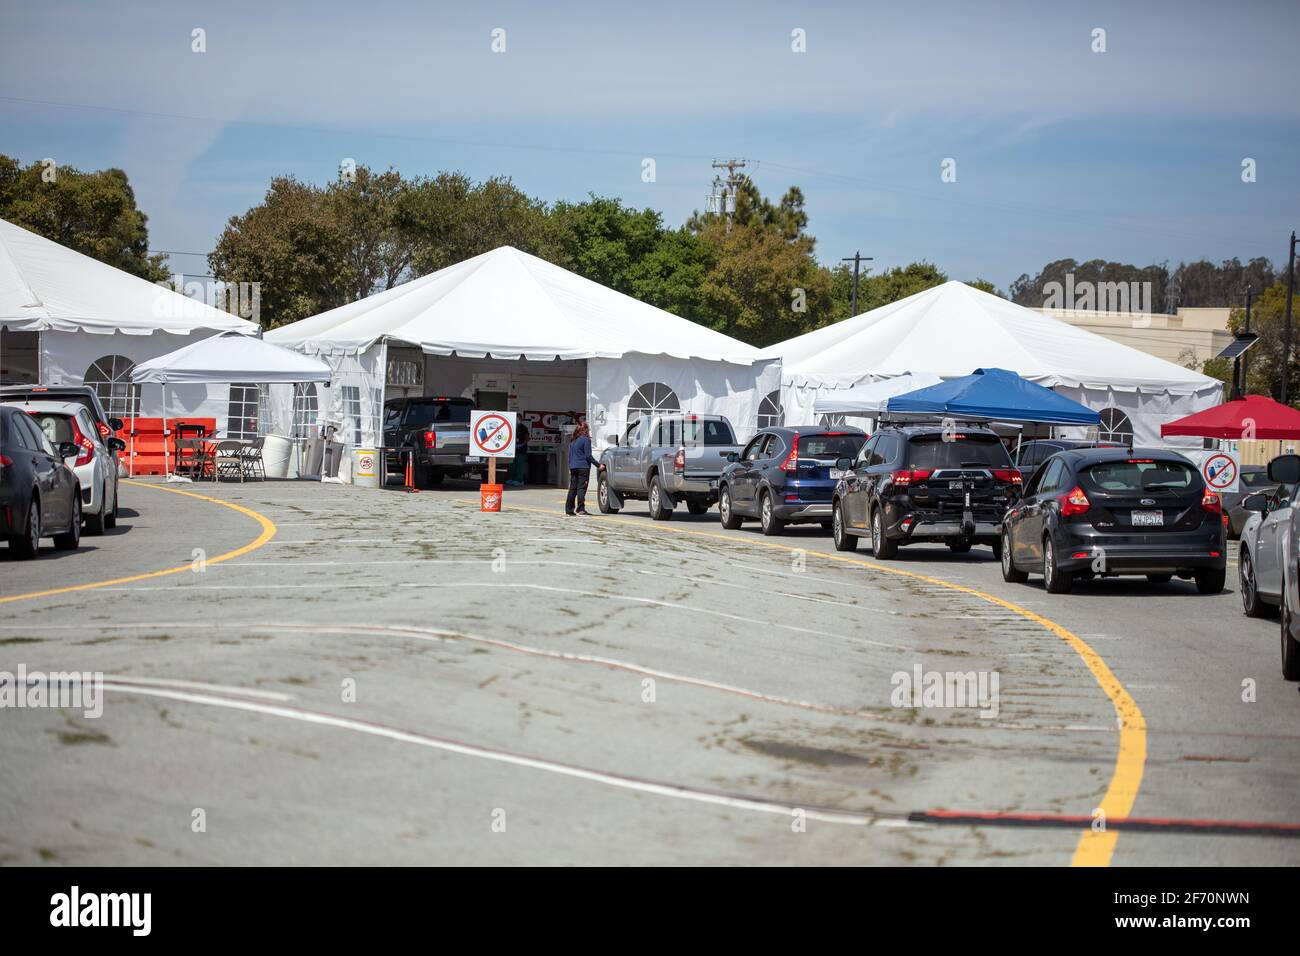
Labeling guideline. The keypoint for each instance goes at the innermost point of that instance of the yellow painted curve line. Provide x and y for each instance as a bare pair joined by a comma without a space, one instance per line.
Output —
1095,847
268,532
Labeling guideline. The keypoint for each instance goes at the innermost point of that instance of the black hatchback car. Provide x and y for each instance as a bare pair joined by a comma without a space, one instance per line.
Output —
932,482
783,476
1103,512
39,495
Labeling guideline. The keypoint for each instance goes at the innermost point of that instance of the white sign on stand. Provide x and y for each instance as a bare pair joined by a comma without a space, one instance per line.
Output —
1220,469
492,434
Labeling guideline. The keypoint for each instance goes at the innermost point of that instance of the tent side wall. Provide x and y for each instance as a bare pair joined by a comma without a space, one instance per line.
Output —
697,385
68,357
1146,410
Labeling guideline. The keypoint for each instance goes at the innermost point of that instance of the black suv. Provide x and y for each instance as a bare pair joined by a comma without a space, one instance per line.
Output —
1031,454
933,482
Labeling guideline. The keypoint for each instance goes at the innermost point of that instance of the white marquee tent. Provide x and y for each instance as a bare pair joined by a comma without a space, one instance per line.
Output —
563,343
69,319
953,329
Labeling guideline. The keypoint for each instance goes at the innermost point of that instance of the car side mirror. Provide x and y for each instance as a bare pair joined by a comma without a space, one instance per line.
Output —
732,456
611,439
115,424
68,449
1284,469
116,444
1256,502
844,464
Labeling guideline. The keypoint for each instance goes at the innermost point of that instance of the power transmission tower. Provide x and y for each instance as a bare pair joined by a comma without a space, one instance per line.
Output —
722,200
857,259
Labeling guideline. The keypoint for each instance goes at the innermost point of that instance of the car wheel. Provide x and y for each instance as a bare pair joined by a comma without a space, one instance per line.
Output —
95,523
1160,578
997,549
730,520
1210,580
1055,580
603,501
767,519
110,519
697,507
1010,572
71,539
28,543
1290,646
881,546
661,507
1251,604
840,532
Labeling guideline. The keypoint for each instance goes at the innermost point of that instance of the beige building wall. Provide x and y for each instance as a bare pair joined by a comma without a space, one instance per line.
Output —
1187,338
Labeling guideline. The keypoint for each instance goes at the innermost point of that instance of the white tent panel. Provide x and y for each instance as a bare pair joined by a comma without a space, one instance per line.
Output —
47,287
952,329
231,357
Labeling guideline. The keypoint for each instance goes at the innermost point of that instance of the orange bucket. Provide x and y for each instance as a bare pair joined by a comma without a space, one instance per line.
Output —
490,497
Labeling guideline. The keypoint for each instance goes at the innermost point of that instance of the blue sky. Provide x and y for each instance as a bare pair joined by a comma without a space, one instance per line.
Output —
1133,154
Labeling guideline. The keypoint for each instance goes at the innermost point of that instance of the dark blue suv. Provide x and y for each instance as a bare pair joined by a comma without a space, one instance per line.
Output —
784,477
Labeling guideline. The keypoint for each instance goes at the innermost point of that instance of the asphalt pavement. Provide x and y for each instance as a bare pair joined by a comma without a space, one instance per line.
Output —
338,675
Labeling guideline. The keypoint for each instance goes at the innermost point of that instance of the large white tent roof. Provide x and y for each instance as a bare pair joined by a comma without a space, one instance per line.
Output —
953,329
508,304
231,357
48,287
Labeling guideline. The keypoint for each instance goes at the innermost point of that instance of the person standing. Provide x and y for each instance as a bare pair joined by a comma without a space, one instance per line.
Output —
580,462
519,467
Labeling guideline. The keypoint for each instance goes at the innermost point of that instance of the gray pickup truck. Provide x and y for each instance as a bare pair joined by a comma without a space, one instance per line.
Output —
664,459
435,430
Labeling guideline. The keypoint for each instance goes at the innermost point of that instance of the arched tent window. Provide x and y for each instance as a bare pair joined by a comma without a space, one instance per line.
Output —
110,376
243,411
1115,426
770,414
650,398
306,406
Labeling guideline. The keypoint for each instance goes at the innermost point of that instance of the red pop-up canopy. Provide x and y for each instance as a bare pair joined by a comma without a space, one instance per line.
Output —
1255,416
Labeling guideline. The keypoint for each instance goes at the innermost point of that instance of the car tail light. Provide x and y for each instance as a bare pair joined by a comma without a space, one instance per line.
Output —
430,439
6,461
1074,502
87,446
1010,475
1080,555
791,462
1211,503
909,476
679,460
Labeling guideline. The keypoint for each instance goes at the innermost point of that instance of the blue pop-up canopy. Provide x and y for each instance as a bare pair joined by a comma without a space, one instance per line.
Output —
994,394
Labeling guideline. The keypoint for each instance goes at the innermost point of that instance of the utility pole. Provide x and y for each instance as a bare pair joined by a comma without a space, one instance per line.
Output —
1245,358
1286,337
857,259
725,203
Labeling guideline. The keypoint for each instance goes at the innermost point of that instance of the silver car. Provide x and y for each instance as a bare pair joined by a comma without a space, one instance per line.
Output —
95,465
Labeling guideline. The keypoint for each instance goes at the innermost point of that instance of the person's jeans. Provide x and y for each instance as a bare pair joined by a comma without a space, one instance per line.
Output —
578,479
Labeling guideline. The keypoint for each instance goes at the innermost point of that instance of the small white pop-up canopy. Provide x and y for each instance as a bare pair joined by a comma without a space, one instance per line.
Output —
231,357
953,329
509,305
228,357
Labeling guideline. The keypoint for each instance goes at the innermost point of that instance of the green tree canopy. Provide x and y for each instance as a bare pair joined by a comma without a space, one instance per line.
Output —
94,213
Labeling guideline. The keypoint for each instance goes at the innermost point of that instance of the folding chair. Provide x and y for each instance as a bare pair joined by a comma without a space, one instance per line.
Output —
228,460
252,455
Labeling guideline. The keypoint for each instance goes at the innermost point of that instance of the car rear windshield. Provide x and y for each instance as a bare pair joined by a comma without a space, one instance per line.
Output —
1256,479
419,414
1135,477
960,450
831,447
708,431
57,428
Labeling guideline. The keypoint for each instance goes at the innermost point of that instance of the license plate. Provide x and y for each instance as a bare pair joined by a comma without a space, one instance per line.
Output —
472,459
713,484
957,485
1148,518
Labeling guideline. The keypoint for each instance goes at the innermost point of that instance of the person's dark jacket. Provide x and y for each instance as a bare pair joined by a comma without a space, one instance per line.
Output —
580,454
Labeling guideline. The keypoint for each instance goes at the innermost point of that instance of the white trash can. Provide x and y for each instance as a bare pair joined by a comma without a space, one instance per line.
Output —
276,451
365,467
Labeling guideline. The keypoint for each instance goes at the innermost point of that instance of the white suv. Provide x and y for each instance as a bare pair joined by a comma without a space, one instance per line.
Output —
95,465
